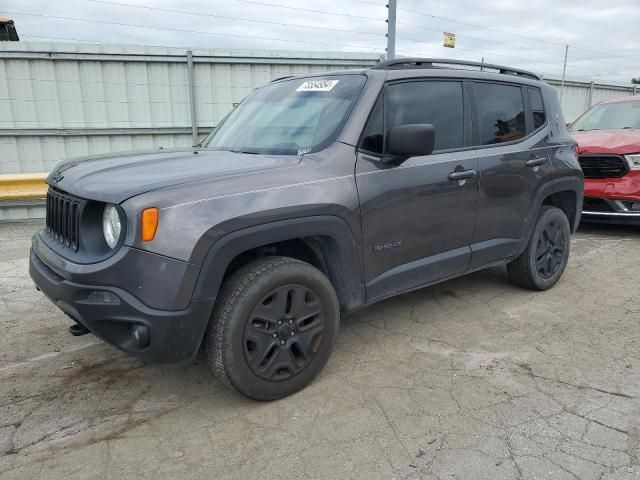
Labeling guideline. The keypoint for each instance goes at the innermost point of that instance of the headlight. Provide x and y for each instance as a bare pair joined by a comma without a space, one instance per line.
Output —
111,225
634,161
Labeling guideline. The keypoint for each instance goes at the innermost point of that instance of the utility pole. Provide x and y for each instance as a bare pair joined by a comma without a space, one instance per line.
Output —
391,29
590,97
564,70
192,99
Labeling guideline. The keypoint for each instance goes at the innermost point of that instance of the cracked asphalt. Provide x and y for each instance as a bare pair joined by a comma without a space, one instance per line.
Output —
470,379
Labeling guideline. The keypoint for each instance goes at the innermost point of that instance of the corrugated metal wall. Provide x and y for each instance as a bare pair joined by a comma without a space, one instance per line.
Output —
579,95
67,100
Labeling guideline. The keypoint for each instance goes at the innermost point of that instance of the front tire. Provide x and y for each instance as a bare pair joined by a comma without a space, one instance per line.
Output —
541,265
273,328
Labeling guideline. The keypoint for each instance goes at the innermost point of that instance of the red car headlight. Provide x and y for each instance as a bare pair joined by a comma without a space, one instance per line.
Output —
634,161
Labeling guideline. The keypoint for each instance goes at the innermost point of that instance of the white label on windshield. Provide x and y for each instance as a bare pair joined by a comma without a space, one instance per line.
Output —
317,86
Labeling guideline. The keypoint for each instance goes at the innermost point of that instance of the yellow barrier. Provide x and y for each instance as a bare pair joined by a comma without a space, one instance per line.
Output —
23,186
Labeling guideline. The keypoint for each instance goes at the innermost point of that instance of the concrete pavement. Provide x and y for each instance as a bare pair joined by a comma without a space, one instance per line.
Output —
471,379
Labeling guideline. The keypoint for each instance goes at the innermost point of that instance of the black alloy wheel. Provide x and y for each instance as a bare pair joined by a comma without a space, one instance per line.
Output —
283,332
550,249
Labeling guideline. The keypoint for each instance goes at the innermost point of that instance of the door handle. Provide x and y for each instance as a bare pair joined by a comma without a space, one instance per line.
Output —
462,175
535,162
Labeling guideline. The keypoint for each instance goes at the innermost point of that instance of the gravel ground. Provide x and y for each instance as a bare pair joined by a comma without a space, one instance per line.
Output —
470,379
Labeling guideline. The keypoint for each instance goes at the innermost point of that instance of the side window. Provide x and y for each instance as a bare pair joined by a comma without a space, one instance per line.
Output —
537,108
500,113
437,103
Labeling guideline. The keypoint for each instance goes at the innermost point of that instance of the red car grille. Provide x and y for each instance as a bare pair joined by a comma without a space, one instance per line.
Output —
603,166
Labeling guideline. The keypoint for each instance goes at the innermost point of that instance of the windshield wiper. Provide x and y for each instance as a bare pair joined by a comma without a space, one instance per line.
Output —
245,151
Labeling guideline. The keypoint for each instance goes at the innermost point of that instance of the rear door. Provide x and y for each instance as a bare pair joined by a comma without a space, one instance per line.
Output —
512,140
417,222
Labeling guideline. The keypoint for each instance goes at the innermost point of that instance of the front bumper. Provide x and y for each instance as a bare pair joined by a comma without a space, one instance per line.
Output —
611,217
614,197
110,314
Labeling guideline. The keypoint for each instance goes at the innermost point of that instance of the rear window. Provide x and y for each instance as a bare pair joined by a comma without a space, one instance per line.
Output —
500,111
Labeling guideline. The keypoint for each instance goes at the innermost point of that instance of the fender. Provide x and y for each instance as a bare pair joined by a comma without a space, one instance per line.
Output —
545,191
346,257
574,184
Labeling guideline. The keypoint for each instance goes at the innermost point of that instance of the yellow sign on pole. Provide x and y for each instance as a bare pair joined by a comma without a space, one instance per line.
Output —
449,40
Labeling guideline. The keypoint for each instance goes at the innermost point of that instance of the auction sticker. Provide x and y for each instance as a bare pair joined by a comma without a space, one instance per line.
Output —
317,86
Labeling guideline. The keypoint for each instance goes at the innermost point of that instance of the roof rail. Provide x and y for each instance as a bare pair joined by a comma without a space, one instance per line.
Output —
399,63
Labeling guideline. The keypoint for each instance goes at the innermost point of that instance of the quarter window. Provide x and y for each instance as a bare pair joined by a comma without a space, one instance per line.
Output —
537,108
500,113
432,102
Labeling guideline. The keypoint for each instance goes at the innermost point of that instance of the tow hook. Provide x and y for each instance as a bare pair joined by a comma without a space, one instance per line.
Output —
78,330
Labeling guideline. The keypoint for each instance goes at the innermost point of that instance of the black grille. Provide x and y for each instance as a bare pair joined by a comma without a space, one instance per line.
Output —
593,204
63,218
603,166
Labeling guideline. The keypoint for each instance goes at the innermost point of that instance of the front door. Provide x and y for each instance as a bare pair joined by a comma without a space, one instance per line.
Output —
417,217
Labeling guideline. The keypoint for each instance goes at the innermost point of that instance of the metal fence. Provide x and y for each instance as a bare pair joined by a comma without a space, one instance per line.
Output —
67,100
64,100
578,95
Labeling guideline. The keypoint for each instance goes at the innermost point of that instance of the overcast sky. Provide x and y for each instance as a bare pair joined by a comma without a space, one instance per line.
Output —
603,36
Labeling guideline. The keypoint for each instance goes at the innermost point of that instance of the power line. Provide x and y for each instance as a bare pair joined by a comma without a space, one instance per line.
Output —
608,54
106,22
529,60
344,30
205,14
502,43
369,3
514,34
299,9
479,26
73,39
511,44
367,47
466,36
598,60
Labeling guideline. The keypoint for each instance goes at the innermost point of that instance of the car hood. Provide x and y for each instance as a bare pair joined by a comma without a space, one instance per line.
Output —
618,142
115,178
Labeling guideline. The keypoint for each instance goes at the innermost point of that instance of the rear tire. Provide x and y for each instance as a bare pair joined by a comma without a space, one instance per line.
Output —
273,327
541,265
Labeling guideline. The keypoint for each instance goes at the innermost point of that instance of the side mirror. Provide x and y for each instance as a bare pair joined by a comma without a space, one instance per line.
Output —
406,141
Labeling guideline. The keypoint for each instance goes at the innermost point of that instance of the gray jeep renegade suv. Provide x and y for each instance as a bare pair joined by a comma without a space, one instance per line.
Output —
317,196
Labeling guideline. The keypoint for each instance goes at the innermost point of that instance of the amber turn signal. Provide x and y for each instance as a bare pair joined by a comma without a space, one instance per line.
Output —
149,223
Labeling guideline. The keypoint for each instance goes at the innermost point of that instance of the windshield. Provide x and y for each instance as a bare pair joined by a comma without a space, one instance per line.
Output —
609,116
292,117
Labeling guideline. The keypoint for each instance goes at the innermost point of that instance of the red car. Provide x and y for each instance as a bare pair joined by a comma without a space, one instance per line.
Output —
608,136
